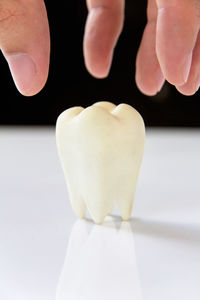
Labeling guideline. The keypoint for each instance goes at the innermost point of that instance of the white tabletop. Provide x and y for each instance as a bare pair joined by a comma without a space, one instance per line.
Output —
46,253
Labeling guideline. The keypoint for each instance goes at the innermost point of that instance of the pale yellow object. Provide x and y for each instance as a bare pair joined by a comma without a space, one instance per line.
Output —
101,149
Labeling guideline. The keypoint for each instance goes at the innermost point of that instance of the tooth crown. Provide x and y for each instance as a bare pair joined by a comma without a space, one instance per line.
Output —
101,149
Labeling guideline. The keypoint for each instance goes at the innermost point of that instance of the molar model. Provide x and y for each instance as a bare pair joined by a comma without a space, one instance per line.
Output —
101,149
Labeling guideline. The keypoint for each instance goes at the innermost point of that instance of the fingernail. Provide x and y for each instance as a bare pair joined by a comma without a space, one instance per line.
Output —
23,71
185,69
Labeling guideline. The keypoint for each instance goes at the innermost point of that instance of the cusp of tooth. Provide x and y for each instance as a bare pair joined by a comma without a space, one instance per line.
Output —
101,149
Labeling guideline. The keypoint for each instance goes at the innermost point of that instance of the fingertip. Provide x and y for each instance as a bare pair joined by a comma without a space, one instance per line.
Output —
193,81
185,91
99,74
190,87
175,72
26,74
149,82
97,66
149,89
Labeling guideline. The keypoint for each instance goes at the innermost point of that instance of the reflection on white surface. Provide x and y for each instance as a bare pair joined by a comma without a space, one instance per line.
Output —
100,263
144,259
36,221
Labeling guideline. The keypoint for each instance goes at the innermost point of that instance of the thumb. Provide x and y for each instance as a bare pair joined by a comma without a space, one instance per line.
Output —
25,43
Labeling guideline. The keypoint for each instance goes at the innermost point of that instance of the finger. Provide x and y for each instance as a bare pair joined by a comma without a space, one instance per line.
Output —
149,77
25,42
177,30
193,82
103,27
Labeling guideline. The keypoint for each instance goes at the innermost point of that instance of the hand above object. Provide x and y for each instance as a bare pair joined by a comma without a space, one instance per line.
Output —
170,47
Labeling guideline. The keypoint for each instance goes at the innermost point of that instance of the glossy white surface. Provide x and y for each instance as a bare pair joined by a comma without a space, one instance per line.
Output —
46,253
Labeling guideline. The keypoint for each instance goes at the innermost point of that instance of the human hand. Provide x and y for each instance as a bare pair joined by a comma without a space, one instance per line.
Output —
170,46
25,42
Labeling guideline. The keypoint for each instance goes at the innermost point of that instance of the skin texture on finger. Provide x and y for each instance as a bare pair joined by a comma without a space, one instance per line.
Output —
25,43
149,77
193,82
103,27
176,35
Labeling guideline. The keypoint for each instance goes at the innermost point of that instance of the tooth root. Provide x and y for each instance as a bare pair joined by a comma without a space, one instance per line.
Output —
125,207
98,214
78,204
97,218
99,200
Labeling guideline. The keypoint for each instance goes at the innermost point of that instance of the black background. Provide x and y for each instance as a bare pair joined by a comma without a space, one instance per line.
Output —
69,84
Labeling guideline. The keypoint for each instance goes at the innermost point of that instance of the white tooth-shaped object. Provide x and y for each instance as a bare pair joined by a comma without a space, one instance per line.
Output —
101,149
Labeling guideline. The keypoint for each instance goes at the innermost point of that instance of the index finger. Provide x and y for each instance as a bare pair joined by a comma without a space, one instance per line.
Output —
103,27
